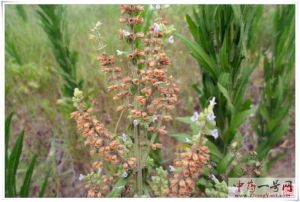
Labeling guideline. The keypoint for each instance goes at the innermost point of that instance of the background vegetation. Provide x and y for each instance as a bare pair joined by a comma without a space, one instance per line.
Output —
34,80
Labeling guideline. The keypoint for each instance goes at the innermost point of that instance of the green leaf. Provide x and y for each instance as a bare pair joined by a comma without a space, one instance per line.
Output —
182,137
118,188
207,62
239,117
27,180
186,120
222,167
45,183
13,163
7,134
225,93
214,151
192,27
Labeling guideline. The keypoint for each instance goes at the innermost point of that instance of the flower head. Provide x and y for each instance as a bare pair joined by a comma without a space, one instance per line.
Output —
125,174
119,52
171,168
195,117
212,102
81,177
214,133
211,116
156,28
135,122
124,137
171,39
126,33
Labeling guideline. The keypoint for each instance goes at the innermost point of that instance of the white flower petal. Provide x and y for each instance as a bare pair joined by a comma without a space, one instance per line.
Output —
81,177
135,122
171,39
214,133
212,102
195,117
211,116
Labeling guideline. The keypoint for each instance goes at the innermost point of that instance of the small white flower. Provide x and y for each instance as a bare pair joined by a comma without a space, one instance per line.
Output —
126,33
124,137
154,118
152,178
125,174
156,28
81,177
212,102
171,168
187,140
214,133
135,122
195,117
98,24
157,6
211,116
119,52
171,39
213,178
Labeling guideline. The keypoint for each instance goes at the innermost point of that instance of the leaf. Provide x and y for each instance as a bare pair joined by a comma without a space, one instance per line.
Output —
118,188
7,134
226,95
200,54
192,27
239,117
223,165
27,180
214,151
45,183
13,163
182,137
186,120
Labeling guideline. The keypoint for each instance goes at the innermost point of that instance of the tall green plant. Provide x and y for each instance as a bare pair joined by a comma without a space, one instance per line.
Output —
221,35
53,22
12,159
272,118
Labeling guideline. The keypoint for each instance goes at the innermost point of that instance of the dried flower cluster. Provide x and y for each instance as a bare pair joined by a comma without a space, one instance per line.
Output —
102,144
189,166
146,94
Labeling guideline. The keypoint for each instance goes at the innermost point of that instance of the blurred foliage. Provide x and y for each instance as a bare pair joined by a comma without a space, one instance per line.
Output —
272,118
53,21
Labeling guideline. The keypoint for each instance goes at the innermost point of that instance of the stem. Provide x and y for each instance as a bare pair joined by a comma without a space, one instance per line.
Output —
137,155
117,125
140,168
